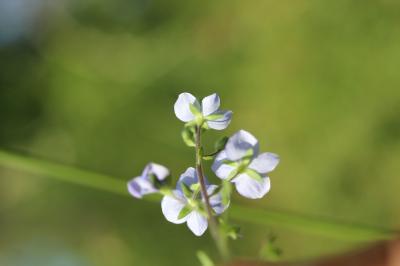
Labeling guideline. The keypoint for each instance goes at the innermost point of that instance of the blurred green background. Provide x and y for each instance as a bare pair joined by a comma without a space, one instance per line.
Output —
92,84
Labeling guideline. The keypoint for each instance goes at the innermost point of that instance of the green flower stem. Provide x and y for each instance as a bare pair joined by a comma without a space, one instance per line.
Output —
257,216
219,239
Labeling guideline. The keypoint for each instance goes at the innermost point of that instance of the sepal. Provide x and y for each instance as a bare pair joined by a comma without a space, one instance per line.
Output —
188,136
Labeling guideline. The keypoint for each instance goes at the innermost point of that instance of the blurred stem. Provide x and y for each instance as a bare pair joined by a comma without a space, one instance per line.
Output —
220,240
257,216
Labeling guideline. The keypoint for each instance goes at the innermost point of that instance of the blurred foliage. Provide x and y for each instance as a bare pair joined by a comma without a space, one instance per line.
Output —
92,84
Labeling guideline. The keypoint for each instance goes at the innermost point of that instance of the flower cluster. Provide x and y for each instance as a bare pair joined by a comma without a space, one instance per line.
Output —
185,203
194,200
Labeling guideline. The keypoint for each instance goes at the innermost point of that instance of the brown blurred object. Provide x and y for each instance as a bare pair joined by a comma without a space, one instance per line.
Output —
381,254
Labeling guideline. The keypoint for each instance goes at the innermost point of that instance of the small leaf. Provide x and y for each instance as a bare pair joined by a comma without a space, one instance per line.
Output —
253,174
195,187
270,251
233,174
204,259
215,116
184,212
229,230
200,208
208,157
186,190
166,191
220,144
234,232
249,153
201,151
204,126
188,136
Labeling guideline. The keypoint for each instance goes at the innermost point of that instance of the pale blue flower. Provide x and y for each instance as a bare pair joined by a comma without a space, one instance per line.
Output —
188,109
241,163
149,182
185,203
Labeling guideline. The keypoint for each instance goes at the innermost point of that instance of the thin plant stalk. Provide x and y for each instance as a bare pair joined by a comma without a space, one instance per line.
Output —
215,231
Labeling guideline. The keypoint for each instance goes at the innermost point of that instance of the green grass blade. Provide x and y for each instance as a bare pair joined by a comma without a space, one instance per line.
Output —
306,224
312,225
62,172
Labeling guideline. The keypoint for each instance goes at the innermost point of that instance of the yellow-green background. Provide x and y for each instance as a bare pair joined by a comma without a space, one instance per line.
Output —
93,83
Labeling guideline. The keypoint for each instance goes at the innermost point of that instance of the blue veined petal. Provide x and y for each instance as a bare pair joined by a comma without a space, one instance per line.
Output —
172,205
210,104
220,168
216,200
222,120
251,188
265,162
160,171
139,186
240,144
197,223
182,107
189,177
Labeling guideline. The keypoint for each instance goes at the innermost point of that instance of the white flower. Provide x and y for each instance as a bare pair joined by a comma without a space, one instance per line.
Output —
188,109
152,177
188,206
241,163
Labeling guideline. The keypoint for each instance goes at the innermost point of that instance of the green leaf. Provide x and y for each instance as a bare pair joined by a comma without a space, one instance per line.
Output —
270,251
195,187
234,232
186,190
215,116
201,208
204,126
234,172
229,230
220,144
208,157
253,174
184,212
166,191
204,259
188,136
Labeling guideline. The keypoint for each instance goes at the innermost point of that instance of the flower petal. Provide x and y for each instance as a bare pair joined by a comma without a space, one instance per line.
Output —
216,200
197,223
211,189
160,171
220,168
265,162
221,122
189,177
210,104
250,187
171,206
139,186
239,145
182,107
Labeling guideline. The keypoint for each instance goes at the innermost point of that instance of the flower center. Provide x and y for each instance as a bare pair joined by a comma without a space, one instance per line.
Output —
243,164
192,203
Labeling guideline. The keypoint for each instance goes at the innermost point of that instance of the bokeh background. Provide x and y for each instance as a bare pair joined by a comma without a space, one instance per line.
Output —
92,84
